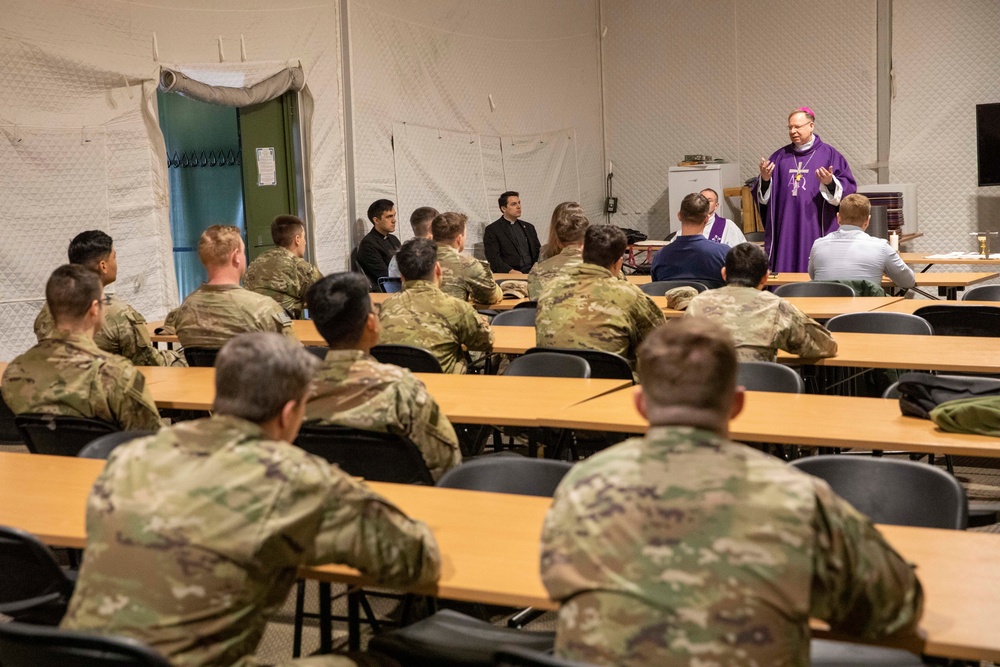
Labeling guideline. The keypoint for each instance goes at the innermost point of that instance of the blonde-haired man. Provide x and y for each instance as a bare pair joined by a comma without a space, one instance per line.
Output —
220,308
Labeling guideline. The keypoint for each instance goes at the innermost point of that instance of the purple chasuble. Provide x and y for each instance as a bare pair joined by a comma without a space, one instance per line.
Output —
796,214
719,226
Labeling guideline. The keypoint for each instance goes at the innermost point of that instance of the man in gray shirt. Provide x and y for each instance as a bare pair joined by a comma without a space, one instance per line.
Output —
851,254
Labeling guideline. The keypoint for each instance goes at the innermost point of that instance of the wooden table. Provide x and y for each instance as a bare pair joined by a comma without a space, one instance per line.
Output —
924,258
465,399
490,543
305,331
808,420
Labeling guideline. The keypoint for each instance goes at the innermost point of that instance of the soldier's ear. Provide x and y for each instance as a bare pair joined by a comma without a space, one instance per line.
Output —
640,401
739,399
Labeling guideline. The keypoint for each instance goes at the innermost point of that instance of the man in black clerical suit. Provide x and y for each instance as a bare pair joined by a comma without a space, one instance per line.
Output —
511,244
379,245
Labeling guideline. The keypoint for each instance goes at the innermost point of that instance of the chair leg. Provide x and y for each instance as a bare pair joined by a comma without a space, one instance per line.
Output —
523,617
325,619
300,604
353,621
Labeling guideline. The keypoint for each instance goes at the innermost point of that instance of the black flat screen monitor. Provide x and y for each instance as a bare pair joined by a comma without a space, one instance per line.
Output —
988,143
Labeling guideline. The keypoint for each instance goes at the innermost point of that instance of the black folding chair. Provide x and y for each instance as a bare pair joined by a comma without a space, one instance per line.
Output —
102,447
203,357
38,646
605,365
60,435
524,317
390,285
769,376
813,288
33,587
416,359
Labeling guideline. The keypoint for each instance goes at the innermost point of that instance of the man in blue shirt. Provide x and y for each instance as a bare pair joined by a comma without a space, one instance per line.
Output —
691,256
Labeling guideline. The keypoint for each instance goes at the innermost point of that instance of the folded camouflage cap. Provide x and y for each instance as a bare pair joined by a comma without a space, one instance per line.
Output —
679,297
514,289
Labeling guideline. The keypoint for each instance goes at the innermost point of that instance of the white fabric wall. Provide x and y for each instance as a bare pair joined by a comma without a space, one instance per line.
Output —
945,62
720,77
433,66
77,151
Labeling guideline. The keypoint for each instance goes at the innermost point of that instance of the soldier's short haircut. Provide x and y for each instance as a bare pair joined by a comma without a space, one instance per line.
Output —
257,373
89,248
284,228
420,220
855,209
339,306
379,208
416,259
603,245
502,200
446,227
688,362
70,291
746,265
217,244
694,209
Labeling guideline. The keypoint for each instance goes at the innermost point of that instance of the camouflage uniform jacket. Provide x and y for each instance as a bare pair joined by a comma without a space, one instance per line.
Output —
212,314
547,270
194,537
587,307
67,374
353,389
762,323
424,316
682,548
124,333
467,278
279,274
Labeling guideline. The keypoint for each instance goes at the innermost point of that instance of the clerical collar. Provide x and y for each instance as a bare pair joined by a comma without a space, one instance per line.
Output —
512,221
804,147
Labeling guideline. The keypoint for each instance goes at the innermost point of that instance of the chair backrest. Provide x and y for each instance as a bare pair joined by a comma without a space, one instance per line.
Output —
769,376
512,656
318,351
102,447
661,287
390,285
524,317
754,237
507,474
33,588
814,288
525,304
603,365
901,493
549,364
880,322
377,457
59,435
962,320
201,356
9,435
982,293
24,645
416,359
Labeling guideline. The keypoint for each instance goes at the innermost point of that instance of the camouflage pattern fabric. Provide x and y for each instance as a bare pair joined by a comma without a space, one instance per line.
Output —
762,323
124,333
67,374
684,549
424,316
679,298
194,568
352,389
467,278
545,271
212,314
587,307
279,274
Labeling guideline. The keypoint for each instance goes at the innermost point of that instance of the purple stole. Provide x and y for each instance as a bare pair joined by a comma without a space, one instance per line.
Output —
719,226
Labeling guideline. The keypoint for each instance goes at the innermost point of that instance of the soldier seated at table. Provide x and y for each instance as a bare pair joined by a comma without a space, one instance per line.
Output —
220,308
281,273
586,306
124,331
195,535
353,389
683,547
759,321
462,277
67,374
424,316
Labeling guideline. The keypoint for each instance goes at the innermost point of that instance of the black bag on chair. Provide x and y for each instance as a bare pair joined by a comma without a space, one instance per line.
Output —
919,393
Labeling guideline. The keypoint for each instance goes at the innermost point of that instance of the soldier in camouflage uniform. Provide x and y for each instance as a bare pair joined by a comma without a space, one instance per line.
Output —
281,273
683,548
564,248
587,307
220,308
760,322
67,374
462,277
424,316
124,331
195,567
353,389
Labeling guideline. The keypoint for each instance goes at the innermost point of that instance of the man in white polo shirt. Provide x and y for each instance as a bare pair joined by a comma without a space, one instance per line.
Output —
851,254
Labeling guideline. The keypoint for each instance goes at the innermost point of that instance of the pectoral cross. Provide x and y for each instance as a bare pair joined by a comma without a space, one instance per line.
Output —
797,181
